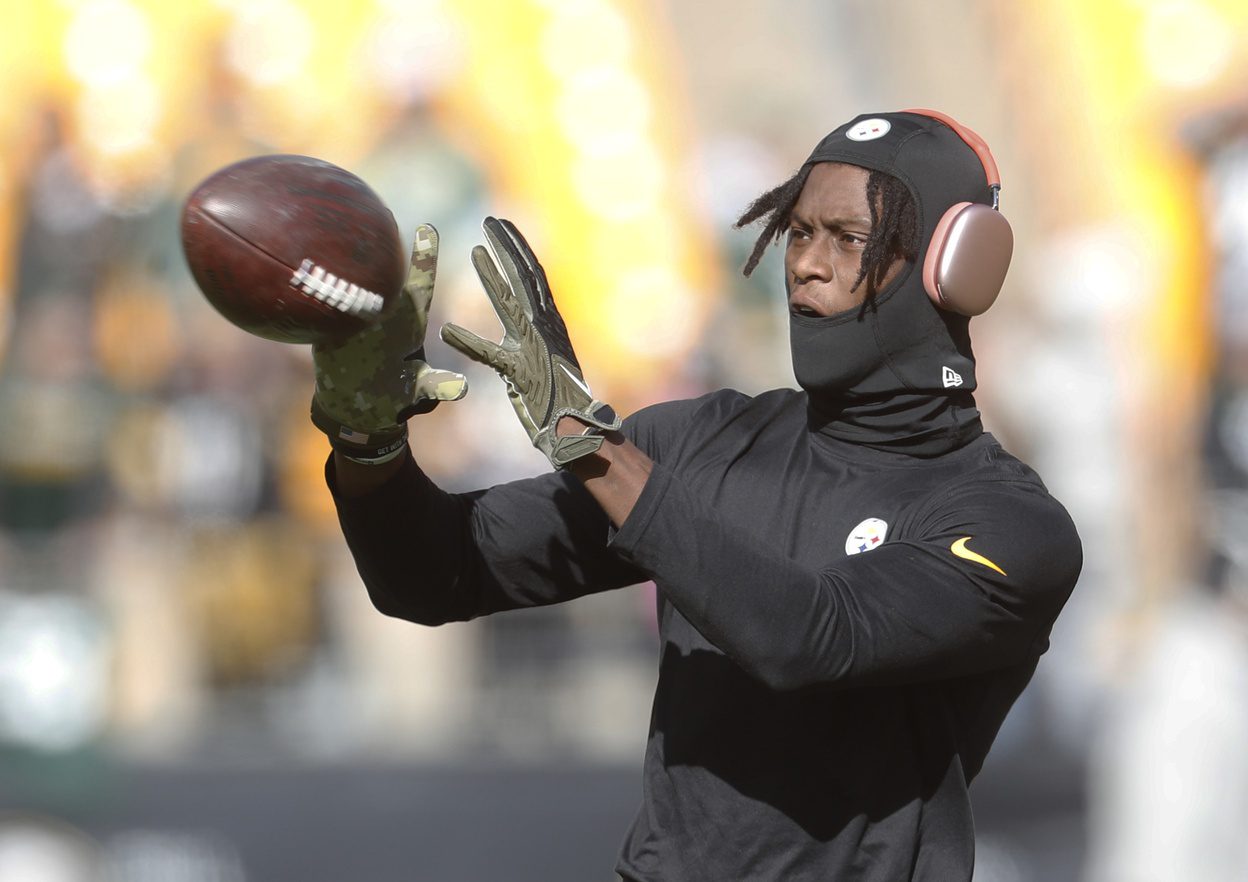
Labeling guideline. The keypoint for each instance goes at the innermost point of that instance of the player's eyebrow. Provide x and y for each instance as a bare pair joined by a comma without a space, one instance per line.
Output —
841,223
836,222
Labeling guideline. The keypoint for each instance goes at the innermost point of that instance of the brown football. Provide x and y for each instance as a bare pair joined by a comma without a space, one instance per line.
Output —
292,248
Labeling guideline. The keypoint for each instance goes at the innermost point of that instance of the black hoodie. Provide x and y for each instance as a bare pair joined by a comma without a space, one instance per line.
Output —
846,611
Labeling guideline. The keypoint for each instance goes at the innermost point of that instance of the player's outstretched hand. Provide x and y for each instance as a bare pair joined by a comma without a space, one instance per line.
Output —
535,356
368,385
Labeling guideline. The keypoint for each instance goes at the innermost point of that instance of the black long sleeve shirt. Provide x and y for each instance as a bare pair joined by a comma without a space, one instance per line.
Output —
843,629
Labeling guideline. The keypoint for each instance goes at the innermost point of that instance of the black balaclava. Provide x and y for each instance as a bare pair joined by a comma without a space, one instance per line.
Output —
896,373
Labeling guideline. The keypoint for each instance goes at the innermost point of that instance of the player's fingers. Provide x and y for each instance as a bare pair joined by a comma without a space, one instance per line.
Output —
499,291
477,348
423,268
513,263
531,266
441,385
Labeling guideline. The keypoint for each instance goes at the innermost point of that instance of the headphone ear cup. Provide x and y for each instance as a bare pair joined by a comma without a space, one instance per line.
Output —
968,258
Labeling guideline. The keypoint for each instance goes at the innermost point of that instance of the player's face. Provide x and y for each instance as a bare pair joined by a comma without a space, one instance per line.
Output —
828,229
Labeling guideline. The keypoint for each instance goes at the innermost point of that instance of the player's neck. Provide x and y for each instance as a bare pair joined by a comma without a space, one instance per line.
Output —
914,424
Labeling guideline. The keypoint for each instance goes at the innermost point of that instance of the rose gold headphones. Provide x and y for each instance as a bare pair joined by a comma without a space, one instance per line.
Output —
971,247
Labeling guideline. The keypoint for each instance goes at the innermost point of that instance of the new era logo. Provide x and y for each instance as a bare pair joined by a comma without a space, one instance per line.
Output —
951,377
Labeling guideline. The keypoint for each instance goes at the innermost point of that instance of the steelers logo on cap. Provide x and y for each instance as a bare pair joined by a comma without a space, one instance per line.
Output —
869,129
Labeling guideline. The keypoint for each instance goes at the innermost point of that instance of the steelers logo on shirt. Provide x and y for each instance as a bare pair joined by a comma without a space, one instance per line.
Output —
867,535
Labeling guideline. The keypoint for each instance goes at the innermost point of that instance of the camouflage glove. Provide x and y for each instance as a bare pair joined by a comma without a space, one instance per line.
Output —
535,356
368,385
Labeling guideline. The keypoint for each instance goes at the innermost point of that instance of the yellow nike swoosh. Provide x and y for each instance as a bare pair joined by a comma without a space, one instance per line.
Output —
960,550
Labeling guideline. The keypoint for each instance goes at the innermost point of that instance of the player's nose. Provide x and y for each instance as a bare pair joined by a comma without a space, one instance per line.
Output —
810,264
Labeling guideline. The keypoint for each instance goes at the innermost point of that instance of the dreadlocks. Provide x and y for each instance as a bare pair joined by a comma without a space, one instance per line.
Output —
776,205
894,224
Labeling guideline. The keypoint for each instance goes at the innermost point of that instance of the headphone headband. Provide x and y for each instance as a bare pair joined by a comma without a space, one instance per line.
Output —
974,141
970,251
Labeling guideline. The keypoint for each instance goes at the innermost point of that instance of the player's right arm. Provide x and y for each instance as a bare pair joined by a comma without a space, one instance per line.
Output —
424,554
430,556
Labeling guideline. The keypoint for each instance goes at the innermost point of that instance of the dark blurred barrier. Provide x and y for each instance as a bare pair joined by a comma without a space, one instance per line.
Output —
376,824
531,823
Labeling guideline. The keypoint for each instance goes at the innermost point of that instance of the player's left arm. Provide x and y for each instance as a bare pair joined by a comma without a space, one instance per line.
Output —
977,588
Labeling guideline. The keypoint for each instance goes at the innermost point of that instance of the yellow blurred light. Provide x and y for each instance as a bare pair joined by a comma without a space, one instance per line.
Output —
270,41
414,49
119,117
308,84
1130,152
601,108
584,35
622,187
652,239
107,42
1185,44
134,182
594,136
651,313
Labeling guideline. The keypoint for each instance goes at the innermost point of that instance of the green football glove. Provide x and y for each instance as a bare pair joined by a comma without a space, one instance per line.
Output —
535,356
368,385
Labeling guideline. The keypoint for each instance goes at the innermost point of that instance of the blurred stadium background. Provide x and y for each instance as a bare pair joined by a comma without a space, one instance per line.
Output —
193,685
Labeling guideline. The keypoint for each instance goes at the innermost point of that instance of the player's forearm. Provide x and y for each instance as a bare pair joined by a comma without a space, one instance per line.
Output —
614,476
432,557
408,539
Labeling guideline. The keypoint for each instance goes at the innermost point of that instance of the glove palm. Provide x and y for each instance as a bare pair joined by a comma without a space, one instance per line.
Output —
535,357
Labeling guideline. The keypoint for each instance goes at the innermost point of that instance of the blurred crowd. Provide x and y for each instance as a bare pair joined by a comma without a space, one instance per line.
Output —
174,589
1169,771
